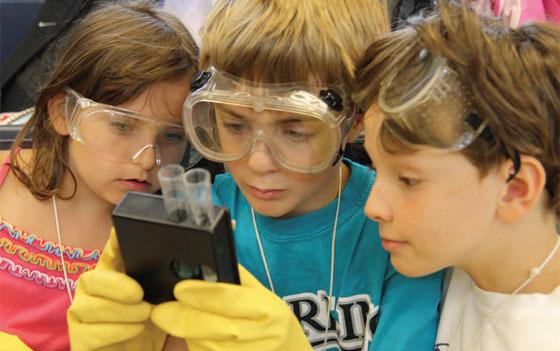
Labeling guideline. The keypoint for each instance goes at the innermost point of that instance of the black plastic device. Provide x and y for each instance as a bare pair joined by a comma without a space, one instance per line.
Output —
158,251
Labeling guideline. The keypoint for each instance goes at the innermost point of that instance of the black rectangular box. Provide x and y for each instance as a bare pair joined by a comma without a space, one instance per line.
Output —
158,252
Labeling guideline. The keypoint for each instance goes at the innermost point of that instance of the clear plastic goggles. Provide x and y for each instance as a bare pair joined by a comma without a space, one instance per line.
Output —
122,135
227,118
427,104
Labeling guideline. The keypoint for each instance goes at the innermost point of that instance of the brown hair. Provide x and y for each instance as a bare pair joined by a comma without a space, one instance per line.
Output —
279,41
513,75
111,56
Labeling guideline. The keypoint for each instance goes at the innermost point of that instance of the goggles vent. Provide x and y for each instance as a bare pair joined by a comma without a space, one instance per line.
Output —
332,99
200,79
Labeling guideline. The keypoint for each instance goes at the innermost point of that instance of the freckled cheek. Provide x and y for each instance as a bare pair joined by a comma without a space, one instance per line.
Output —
426,235
466,206
429,217
446,222
94,170
305,179
302,180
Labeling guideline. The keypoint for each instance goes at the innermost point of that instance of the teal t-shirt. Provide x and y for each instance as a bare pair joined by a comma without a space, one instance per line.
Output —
375,308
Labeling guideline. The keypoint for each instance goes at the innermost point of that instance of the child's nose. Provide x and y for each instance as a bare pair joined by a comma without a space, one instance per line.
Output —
376,207
148,156
260,159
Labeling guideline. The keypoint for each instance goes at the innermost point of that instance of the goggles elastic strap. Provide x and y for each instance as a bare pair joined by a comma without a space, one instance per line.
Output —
156,149
475,122
347,125
338,155
516,166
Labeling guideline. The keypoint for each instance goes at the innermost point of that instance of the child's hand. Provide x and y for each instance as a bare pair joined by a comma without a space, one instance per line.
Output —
12,342
108,312
220,316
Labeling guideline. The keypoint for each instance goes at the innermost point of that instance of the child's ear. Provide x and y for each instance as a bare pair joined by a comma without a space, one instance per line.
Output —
56,113
356,129
522,192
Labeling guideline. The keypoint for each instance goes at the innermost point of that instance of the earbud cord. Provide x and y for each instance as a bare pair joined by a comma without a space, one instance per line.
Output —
262,252
332,253
533,273
61,249
329,307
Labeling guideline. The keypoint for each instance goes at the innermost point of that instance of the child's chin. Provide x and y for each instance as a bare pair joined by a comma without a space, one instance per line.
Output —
271,211
412,268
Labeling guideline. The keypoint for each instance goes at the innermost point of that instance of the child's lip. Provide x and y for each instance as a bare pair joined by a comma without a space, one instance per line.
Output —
391,245
266,194
135,184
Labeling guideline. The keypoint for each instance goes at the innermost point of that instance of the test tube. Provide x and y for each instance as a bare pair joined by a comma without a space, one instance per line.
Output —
199,196
173,191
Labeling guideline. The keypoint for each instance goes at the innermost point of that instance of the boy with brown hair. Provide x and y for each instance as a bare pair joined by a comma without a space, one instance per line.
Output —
463,129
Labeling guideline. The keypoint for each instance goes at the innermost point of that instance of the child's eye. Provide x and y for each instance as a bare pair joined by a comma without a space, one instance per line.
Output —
174,137
296,135
235,127
409,181
120,126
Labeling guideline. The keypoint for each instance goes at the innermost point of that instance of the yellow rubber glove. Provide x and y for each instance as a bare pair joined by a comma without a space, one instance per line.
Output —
12,342
220,316
108,312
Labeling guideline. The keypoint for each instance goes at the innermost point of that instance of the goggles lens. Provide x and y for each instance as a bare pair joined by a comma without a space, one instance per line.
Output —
228,118
228,132
427,104
122,135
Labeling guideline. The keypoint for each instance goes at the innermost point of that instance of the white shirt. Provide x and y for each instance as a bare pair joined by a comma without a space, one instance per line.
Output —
483,320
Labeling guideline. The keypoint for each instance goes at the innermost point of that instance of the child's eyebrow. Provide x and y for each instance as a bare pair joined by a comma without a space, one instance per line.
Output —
173,121
291,119
229,111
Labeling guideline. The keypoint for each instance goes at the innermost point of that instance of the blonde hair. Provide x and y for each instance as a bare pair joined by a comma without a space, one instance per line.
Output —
111,56
513,75
280,41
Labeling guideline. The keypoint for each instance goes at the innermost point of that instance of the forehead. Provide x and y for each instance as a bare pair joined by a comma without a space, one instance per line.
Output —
163,100
241,88
249,113
373,119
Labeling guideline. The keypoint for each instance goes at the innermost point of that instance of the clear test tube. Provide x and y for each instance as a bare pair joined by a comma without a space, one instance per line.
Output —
199,196
173,191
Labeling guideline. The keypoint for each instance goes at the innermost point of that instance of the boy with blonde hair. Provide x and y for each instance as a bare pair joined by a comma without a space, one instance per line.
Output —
272,102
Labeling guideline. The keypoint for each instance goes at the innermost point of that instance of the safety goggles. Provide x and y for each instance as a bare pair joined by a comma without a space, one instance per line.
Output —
122,135
302,128
426,103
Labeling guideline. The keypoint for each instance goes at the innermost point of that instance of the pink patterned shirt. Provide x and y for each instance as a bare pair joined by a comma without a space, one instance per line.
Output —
33,295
